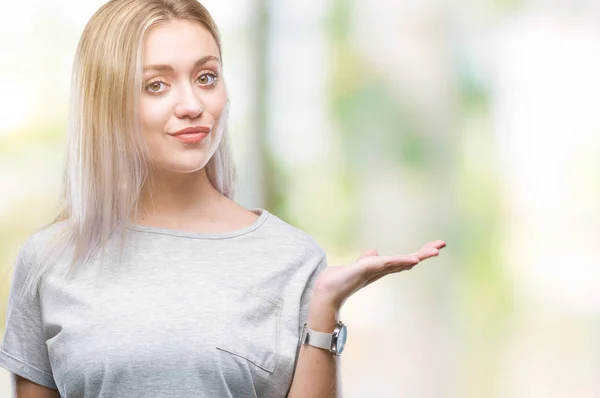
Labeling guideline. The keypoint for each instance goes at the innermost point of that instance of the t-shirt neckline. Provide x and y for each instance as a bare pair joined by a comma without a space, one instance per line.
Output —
262,213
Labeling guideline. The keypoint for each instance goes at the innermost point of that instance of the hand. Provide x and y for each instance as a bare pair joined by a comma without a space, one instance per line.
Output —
335,284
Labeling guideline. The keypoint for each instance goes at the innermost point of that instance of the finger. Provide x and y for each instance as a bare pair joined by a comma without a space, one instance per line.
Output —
373,265
426,252
422,254
399,263
394,264
388,271
438,244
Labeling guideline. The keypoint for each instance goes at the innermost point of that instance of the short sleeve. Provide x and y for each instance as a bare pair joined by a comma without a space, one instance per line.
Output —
23,351
305,299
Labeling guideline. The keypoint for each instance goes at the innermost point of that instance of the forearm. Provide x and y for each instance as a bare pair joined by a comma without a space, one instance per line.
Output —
317,370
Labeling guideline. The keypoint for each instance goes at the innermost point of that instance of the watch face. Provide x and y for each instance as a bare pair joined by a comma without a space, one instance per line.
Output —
341,340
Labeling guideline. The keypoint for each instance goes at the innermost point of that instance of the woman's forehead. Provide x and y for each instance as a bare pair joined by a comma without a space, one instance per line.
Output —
179,43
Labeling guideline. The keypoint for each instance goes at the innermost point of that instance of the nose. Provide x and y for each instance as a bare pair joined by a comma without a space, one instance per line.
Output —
189,104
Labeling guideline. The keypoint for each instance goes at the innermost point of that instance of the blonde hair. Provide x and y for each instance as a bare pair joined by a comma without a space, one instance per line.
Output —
106,160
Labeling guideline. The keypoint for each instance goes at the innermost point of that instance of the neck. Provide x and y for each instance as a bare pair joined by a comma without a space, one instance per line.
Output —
174,195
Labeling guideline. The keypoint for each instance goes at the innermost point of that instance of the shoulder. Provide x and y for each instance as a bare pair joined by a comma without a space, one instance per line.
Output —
33,256
46,234
294,238
37,241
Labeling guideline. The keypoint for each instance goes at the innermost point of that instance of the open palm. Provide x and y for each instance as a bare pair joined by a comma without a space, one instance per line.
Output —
336,284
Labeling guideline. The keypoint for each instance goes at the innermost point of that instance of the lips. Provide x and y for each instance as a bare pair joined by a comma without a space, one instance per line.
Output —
191,130
191,135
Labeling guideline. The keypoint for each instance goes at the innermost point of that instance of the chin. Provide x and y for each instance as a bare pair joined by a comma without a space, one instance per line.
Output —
177,166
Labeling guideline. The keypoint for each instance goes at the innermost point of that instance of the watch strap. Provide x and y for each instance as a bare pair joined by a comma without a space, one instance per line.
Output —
317,339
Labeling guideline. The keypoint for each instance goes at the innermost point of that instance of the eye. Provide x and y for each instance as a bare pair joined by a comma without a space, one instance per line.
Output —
154,87
208,78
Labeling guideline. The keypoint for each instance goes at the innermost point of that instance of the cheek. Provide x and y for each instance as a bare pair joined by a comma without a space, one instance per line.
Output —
145,114
217,103
152,114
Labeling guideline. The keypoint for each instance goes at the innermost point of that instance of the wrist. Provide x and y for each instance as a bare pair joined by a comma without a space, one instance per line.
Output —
322,315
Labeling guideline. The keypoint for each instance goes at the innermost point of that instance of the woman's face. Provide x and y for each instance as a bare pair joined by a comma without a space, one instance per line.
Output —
181,89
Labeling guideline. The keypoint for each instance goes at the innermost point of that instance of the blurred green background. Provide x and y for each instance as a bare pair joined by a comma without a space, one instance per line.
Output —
385,124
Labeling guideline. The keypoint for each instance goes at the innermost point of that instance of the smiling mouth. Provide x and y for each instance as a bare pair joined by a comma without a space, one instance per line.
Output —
190,138
191,130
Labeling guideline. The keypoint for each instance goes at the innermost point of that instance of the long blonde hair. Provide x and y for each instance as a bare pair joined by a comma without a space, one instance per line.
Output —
106,160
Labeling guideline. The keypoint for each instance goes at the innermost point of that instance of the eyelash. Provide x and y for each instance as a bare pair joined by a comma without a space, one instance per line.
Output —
214,75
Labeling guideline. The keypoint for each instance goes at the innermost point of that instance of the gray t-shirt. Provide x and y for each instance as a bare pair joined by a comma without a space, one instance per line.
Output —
181,315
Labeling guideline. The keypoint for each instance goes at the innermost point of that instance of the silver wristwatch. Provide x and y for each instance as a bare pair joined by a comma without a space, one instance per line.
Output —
333,342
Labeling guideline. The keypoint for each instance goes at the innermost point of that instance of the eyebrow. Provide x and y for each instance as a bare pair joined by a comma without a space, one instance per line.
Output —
169,68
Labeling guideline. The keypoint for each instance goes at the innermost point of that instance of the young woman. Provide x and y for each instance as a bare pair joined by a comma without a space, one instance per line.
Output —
152,281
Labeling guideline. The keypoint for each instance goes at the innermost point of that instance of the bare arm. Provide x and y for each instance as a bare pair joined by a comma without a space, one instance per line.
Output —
317,372
28,389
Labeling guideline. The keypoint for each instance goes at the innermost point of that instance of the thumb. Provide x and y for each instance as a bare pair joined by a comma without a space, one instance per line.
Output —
369,253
